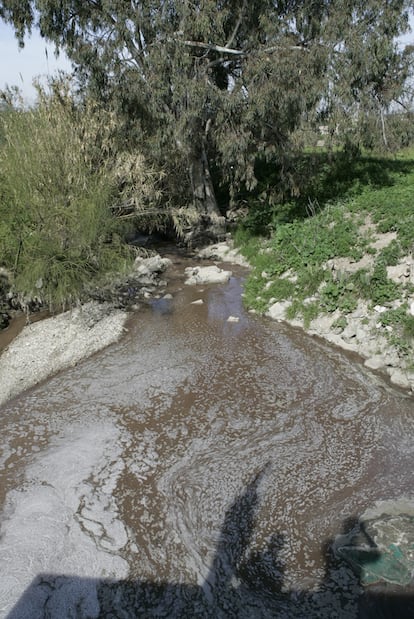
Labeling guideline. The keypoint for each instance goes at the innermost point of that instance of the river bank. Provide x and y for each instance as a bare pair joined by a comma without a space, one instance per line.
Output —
363,332
56,343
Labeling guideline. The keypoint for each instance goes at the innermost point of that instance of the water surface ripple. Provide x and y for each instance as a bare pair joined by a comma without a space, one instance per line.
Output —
198,468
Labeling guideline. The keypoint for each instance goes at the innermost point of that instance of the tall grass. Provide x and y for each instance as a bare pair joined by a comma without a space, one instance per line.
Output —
62,185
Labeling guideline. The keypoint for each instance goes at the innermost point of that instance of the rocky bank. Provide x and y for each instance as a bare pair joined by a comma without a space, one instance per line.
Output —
364,333
56,343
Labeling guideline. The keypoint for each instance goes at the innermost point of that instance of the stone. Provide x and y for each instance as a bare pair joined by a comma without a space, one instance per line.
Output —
290,275
399,377
223,252
206,275
197,302
233,319
351,330
398,272
375,363
278,310
151,265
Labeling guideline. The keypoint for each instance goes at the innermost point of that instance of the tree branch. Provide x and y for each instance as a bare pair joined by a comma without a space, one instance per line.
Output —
237,26
239,52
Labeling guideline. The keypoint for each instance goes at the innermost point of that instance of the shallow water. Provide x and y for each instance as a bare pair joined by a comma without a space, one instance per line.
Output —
198,468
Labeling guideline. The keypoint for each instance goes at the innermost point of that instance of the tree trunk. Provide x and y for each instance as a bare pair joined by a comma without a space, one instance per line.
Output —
210,225
203,190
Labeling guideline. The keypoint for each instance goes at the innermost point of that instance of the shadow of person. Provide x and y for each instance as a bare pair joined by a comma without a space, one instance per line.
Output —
58,596
241,582
235,536
264,569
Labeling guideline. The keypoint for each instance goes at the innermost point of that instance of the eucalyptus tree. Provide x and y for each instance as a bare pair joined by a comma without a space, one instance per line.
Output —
222,81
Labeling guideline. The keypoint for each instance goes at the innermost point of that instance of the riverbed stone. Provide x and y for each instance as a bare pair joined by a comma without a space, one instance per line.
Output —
225,252
399,377
375,363
149,266
206,275
233,319
277,311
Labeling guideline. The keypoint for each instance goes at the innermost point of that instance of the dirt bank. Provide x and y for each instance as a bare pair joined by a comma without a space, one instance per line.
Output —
53,344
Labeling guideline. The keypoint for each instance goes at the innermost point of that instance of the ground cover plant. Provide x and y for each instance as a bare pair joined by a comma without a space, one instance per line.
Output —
368,198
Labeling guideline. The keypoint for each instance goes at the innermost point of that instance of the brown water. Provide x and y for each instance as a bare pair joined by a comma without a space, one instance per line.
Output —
198,468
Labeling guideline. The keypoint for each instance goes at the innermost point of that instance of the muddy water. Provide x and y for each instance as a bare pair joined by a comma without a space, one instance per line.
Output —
198,468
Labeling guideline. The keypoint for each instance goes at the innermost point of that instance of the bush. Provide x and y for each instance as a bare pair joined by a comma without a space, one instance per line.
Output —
61,185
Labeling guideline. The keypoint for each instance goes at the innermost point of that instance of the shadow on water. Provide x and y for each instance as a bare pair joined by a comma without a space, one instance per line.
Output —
240,583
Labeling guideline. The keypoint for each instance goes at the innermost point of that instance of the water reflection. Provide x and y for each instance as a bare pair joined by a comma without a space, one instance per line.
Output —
240,583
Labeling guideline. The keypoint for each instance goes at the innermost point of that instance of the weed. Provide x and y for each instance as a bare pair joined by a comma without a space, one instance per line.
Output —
340,323
382,189
382,289
310,311
390,254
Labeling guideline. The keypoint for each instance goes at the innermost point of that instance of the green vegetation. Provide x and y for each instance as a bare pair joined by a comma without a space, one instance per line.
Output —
294,260
60,190
238,84
210,105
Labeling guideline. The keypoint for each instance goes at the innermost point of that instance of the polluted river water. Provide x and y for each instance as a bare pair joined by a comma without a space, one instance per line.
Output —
201,468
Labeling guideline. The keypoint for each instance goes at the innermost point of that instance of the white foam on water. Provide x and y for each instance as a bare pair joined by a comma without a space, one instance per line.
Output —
64,521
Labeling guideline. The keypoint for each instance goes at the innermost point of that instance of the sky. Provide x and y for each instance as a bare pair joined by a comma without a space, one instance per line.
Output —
19,67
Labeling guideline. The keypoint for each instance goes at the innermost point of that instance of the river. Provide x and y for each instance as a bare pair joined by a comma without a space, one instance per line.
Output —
199,468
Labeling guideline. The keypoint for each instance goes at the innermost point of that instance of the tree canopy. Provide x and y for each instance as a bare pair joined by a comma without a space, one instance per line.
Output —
225,82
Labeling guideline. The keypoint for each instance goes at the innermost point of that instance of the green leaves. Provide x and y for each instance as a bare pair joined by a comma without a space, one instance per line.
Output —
56,198
236,78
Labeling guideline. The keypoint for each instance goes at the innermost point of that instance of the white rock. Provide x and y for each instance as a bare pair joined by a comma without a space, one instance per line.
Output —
290,275
277,310
411,310
375,363
148,266
380,309
197,302
233,319
399,377
206,275
350,330
363,333
223,252
399,272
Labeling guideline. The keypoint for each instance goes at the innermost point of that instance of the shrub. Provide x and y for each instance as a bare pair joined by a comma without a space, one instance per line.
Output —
64,193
